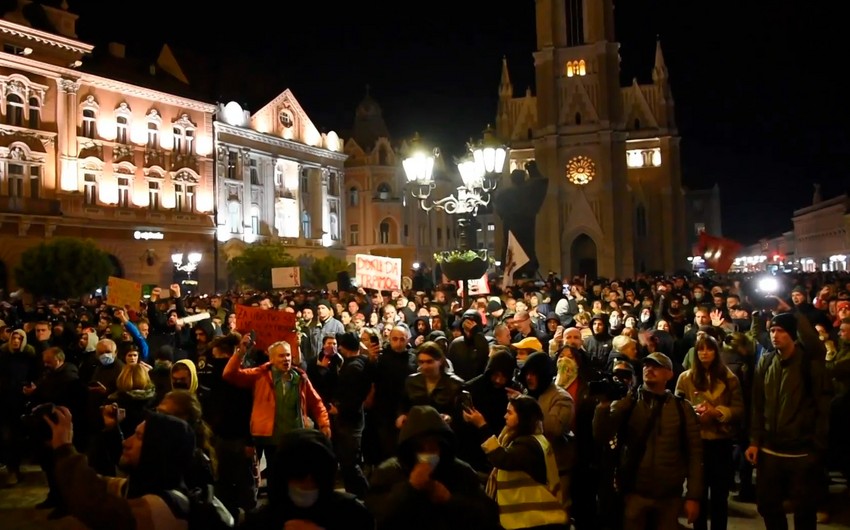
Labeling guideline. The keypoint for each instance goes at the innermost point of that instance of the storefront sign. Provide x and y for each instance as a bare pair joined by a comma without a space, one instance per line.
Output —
148,235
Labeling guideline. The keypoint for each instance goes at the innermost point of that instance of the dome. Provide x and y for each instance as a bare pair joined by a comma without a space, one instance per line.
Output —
369,123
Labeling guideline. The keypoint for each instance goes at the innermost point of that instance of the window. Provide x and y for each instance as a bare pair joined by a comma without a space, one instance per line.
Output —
491,227
190,141
153,135
90,190
576,68
306,226
333,220
14,110
235,211
232,159
383,191
121,135
640,221
384,234
255,173
582,68
89,123
177,139
353,196
333,184
153,195
35,113
255,220
16,180
123,192
184,197
305,181
35,181
354,235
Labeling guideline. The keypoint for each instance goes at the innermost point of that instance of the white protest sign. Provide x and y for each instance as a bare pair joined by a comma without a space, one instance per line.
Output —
378,272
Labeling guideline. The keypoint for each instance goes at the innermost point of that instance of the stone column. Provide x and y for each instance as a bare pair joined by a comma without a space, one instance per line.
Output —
243,169
316,208
66,116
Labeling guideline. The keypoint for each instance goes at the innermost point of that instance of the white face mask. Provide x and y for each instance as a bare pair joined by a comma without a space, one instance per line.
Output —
614,320
303,498
428,458
644,315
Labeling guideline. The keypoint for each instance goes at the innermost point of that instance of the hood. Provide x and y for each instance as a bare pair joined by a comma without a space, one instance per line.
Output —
427,322
91,338
541,364
502,362
315,457
423,421
193,383
167,452
23,335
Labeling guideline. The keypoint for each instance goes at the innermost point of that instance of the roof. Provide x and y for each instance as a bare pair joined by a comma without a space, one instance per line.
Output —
369,124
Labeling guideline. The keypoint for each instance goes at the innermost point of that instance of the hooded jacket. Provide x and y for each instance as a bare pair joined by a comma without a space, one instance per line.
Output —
396,504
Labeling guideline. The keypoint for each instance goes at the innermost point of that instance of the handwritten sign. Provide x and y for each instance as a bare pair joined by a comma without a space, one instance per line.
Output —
476,287
285,277
378,272
270,326
123,293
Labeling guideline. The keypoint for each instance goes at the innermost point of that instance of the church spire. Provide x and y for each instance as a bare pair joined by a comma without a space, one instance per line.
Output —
506,89
659,72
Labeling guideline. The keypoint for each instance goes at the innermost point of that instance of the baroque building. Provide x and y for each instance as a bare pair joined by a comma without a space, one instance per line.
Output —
614,205
382,219
91,148
277,178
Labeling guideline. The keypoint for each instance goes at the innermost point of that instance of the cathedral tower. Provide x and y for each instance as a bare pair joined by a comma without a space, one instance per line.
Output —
614,206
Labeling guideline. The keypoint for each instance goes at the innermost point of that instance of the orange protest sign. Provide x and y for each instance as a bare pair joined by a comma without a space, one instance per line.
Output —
269,325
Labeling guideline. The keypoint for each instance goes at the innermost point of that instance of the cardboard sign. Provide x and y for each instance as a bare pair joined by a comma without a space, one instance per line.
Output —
286,277
476,287
378,272
123,293
270,325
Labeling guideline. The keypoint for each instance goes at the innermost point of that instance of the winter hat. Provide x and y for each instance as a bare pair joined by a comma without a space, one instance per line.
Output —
786,321
349,341
494,305
326,304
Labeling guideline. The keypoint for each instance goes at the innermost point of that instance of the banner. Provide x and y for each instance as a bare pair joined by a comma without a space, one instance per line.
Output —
378,272
515,258
719,253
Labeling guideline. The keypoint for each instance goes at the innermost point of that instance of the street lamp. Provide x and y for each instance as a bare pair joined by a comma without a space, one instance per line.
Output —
194,259
480,170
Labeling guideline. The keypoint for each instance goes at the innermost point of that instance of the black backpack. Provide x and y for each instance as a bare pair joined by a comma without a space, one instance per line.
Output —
200,508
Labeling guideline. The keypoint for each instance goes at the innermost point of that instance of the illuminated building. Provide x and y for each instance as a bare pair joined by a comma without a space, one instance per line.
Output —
614,205
91,147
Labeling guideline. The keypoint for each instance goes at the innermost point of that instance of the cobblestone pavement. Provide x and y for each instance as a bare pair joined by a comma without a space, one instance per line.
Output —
17,508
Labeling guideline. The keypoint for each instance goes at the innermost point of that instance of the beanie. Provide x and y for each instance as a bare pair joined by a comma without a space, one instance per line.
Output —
786,321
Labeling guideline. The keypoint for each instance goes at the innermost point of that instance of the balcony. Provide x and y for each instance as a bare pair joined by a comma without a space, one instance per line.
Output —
154,157
180,161
28,206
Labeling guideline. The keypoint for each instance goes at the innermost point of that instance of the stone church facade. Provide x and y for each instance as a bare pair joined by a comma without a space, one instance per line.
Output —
614,205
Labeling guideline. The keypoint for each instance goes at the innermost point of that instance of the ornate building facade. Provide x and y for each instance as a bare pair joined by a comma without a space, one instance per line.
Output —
381,220
277,178
87,152
614,204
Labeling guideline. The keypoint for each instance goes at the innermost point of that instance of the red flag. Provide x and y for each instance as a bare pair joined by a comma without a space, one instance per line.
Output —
719,253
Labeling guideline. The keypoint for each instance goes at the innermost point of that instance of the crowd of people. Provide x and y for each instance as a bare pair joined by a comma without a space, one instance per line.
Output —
598,404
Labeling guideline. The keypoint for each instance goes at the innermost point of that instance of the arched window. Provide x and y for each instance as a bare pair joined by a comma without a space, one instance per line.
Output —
570,69
15,110
89,123
334,226
353,196
637,123
306,226
384,191
578,118
255,219
234,209
582,67
384,234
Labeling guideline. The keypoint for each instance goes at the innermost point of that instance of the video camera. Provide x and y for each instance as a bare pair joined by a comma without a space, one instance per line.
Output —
610,386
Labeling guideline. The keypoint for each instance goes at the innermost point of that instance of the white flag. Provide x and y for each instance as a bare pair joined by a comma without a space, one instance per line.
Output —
514,259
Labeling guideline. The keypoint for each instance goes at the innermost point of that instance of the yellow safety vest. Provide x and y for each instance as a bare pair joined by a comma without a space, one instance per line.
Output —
524,502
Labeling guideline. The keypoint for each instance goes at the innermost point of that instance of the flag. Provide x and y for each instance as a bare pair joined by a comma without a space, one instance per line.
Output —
514,259
719,253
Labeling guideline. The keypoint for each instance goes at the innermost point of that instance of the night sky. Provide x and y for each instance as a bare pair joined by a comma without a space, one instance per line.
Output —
758,90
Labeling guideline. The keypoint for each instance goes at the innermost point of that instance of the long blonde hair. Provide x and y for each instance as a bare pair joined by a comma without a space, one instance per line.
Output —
133,377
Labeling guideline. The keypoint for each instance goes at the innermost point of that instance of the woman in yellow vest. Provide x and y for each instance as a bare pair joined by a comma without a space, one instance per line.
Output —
524,480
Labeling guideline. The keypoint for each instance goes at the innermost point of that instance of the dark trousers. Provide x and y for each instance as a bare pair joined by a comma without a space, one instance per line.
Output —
270,452
585,484
12,443
717,470
235,486
796,479
746,489
347,441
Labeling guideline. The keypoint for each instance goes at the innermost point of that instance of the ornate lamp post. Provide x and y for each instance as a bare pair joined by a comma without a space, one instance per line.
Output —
480,170
191,265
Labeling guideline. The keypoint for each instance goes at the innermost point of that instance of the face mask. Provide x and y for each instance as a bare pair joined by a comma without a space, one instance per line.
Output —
614,321
106,360
644,316
428,458
303,498
520,363
698,296
179,386
567,370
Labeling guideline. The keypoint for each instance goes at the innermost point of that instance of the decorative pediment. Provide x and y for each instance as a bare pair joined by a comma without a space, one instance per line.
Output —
154,116
185,176
637,108
123,109
184,122
578,101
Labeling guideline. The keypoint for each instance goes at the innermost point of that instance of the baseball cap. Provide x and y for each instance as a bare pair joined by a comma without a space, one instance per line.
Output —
660,359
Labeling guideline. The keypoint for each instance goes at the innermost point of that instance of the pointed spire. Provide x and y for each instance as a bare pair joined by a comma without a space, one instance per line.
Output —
506,89
659,72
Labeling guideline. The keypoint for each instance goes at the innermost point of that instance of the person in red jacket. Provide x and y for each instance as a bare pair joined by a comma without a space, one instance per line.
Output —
284,398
